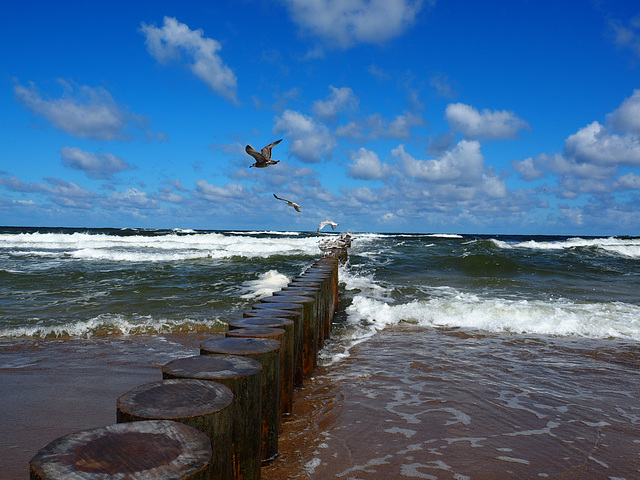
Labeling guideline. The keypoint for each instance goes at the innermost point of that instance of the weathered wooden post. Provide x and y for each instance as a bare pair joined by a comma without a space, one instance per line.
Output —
329,266
243,376
280,329
310,338
153,449
284,319
267,352
325,300
201,404
298,328
309,290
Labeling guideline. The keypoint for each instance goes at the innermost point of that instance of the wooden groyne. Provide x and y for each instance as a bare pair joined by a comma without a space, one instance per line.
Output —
217,415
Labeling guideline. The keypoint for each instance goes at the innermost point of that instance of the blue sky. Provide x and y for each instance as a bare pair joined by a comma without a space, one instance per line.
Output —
396,115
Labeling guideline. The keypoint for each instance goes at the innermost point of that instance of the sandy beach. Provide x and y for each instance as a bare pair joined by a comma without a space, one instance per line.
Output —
409,403
54,387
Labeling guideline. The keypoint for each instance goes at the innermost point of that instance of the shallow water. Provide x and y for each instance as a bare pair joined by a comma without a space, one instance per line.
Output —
447,404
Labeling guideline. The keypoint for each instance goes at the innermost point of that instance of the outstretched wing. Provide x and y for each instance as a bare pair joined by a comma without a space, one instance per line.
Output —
284,200
266,151
254,153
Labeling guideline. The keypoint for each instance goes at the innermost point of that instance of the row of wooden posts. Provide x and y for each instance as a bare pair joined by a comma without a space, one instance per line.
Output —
217,415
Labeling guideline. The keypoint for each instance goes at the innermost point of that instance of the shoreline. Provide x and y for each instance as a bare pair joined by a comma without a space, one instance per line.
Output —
410,402
55,387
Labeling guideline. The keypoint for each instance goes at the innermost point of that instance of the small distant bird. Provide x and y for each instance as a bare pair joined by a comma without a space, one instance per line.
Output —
263,158
290,203
327,222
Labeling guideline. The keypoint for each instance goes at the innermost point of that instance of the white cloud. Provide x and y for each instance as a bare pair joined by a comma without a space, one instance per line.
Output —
345,23
626,118
527,169
132,198
88,113
595,144
100,166
310,141
174,39
339,100
488,124
366,165
630,181
214,193
461,165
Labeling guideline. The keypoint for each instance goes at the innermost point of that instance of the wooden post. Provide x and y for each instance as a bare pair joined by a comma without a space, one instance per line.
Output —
267,352
326,299
330,268
244,377
298,331
158,449
329,280
315,291
309,340
201,404
280,329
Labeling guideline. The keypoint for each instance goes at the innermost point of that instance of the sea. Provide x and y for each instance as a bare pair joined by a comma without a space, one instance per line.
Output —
524,348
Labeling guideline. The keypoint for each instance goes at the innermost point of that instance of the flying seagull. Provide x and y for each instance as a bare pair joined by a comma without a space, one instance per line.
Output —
263,158
327,222
290,203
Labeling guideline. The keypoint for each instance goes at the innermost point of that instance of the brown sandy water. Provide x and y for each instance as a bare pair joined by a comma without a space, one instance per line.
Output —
408,403
54,387
415,403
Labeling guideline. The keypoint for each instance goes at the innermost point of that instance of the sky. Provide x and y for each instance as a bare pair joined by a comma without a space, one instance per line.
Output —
417,116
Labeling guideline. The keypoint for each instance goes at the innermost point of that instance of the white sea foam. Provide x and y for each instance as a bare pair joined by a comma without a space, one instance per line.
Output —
160,248
550,317
111,324
265,284
373,309
625,247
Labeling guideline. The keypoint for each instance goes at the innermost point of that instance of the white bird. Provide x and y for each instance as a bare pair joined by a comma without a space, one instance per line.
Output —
327,222
290,203
263,158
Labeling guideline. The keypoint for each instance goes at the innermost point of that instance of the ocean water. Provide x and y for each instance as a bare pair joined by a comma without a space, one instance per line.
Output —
73,283
481,313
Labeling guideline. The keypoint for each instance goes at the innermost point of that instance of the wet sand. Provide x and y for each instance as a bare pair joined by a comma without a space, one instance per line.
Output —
408,403
415,403
54,387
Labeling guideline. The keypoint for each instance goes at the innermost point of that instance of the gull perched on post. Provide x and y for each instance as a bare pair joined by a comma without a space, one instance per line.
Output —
327,222
263,158
290,203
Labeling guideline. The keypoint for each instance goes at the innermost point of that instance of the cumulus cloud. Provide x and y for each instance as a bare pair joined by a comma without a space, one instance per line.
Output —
215,193
366,165
487,124
88,112
626,118
339,100
101,166
175,41
309,140
527,169
463,164
595,144
344,24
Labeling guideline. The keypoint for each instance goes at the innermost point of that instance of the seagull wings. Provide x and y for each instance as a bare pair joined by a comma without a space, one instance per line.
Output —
266,151
289,202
